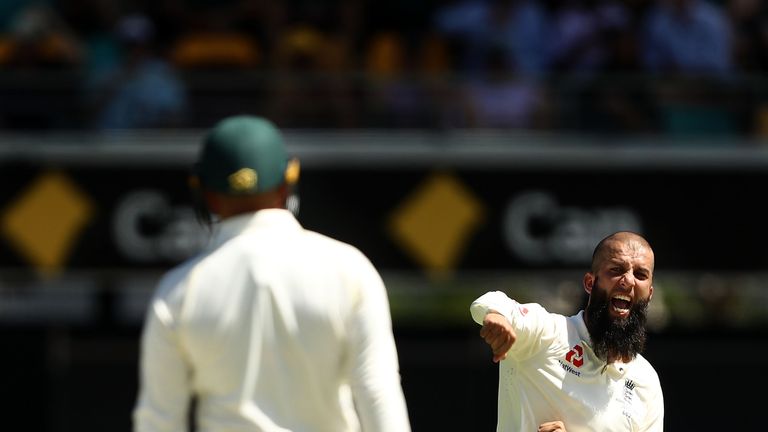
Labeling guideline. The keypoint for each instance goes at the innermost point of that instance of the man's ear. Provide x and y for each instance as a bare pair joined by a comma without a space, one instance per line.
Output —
283,192
588,282
292,171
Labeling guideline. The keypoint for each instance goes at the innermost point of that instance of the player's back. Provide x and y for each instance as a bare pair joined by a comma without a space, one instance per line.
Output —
264,321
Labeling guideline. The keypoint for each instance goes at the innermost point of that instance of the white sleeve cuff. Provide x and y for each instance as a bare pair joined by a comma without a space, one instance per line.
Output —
491,301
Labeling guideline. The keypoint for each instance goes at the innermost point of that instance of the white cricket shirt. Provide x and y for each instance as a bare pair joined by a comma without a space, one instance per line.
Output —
551,373
273,328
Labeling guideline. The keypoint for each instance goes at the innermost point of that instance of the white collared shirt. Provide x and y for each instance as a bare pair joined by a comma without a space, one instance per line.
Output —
273,328
551,373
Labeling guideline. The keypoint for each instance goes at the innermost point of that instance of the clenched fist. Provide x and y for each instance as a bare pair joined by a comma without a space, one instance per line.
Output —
555,426
498,334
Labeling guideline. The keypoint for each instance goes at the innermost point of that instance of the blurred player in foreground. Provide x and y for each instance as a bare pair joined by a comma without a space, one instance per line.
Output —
273,327
584,372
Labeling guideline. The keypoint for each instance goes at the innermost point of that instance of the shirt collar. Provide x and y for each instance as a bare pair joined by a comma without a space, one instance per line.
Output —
266,218
581,327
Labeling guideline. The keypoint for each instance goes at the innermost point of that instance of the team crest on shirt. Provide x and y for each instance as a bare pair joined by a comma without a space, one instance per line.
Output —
629,396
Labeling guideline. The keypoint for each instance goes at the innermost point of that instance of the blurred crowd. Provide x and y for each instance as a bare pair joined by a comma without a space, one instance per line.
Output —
603,66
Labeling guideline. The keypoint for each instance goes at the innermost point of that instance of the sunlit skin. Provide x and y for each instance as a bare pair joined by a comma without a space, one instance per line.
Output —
226,206
498,334
554,426
622,266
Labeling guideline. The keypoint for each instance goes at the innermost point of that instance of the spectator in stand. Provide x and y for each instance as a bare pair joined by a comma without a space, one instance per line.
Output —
263,21
499,98
750,39
688,43
520,27
599,42
38,42
9,10
40,38
308,90
750,46
687,37
144,90
583,34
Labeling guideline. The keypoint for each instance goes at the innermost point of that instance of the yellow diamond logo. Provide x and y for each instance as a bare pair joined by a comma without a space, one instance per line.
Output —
434,224
44,222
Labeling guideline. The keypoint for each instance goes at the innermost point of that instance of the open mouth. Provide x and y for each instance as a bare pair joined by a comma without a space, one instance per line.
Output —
621,303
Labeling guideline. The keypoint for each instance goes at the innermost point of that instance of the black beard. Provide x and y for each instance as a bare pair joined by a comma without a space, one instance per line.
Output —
615,339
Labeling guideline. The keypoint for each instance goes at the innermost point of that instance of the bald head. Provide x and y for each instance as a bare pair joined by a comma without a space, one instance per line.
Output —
620,241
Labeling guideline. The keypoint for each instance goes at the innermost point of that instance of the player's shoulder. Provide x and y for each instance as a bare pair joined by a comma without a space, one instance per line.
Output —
172,279
538,309
643,368
334,246
642,363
